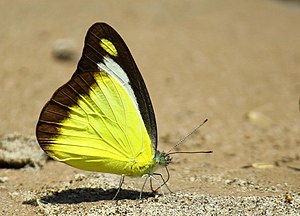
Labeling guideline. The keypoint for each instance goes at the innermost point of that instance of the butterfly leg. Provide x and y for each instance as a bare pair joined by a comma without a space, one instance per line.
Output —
151,186
144,186
164,181
120,185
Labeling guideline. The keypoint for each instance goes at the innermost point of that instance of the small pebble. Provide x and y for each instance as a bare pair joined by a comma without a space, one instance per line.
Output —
259,119
3,179
79,177
262,165
64,49
192,179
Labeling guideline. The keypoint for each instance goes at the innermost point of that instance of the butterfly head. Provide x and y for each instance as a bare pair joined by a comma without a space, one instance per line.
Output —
162,158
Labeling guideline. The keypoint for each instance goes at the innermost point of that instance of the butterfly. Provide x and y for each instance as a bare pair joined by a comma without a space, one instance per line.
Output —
102,119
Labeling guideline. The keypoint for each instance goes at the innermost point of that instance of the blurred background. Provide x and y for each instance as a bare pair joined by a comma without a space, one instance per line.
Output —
200,59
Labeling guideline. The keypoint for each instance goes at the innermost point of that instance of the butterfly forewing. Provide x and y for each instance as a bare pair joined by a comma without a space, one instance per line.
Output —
92,56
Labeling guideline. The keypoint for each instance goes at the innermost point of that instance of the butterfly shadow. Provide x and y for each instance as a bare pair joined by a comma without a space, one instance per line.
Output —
79,195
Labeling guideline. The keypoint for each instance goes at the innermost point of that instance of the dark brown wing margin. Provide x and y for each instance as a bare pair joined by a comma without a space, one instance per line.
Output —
57,109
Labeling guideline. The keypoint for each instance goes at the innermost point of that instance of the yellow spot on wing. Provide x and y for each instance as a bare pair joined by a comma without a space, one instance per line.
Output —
109,47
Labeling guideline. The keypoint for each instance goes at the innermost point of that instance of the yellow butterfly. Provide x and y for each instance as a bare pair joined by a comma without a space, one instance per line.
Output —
102,119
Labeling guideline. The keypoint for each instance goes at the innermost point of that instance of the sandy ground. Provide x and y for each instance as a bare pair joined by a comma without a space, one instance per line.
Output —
236,63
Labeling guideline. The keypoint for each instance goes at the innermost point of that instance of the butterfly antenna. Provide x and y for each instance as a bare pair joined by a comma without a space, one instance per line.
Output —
183,140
